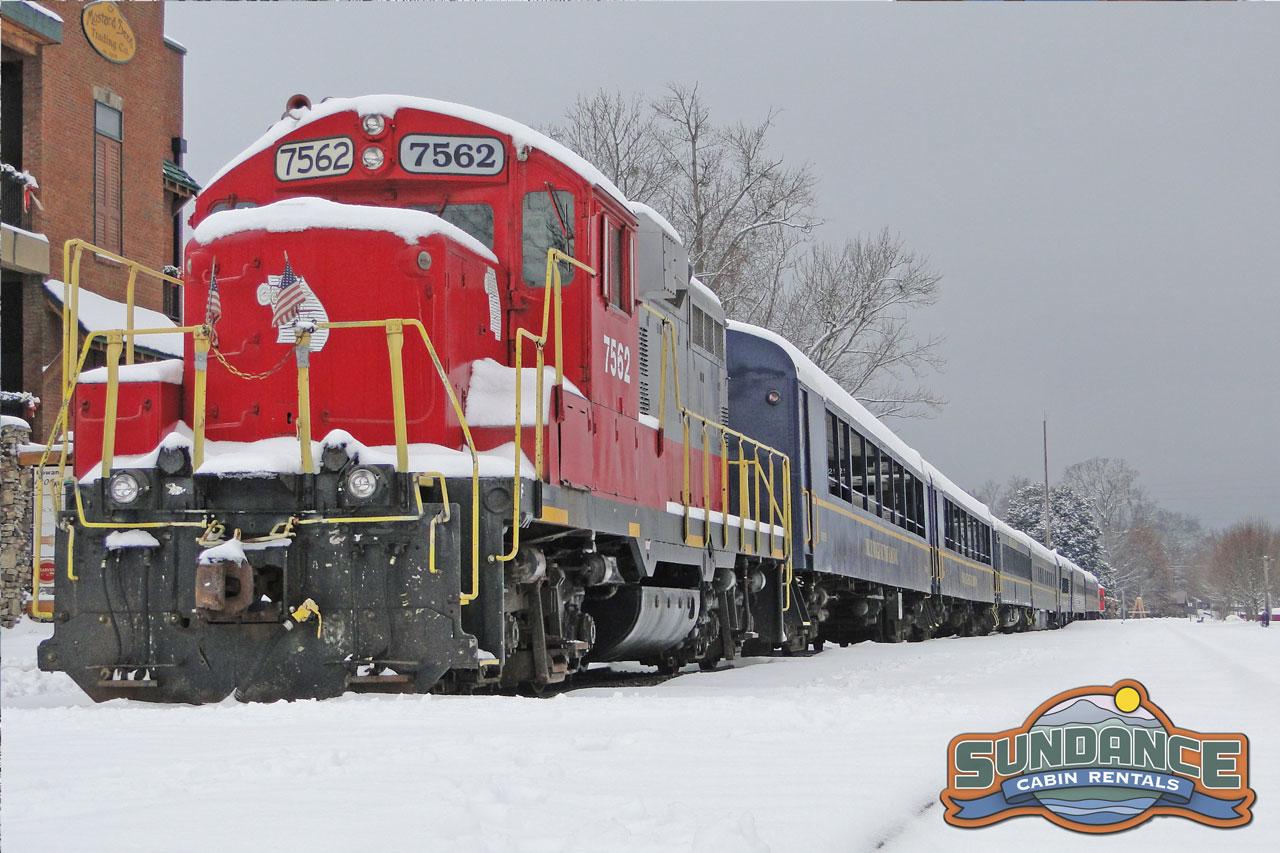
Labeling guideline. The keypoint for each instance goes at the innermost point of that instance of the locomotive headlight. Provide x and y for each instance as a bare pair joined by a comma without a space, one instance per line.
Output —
362,483
372,158
124,488
374,124
773,398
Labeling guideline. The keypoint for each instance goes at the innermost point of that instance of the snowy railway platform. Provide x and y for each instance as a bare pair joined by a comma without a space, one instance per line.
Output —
854,740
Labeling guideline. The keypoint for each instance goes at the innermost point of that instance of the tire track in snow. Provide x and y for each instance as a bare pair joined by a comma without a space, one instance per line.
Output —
895,832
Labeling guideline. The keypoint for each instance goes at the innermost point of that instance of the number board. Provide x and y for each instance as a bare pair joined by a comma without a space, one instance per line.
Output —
431,154
315,158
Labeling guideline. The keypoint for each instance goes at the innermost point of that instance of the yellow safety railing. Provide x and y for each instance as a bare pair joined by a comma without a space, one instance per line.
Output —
119,343
753,473
552,308
72,253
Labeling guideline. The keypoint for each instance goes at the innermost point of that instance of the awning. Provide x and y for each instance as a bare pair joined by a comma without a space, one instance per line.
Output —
176,180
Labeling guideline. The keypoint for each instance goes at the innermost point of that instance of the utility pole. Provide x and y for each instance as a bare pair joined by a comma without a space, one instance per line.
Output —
1266,589
1048,520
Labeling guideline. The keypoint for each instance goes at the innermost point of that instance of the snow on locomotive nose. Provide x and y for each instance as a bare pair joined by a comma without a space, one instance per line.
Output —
261,275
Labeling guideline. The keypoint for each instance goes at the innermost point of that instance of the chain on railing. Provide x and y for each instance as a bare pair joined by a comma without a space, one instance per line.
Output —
119,342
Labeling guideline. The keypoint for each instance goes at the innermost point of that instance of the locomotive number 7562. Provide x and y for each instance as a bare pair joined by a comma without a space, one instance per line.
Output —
617,359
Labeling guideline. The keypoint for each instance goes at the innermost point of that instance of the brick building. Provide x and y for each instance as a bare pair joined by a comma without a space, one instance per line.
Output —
92,111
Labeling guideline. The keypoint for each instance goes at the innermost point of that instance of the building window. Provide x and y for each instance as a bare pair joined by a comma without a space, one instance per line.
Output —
108,200
173,301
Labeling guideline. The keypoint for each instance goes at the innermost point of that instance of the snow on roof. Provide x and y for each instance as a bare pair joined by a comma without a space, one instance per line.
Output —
48,13
98,314
817,379
168,371
299,214
11,421
388,105
641,209
958,495
696,285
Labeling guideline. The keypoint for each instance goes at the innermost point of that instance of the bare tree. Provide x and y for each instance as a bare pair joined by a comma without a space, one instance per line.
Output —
1112,487
746,216
732,196
1235,564
619,134
847,309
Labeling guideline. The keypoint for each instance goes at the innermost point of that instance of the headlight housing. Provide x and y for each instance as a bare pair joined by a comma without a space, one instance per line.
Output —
125,489
374,124
365,485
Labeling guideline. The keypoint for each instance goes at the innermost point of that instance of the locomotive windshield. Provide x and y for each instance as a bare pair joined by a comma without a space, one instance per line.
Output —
475,219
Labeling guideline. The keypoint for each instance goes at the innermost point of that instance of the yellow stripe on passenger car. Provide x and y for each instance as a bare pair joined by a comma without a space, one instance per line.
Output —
839,510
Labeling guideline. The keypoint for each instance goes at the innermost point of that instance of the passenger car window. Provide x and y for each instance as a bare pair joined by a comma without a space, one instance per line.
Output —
548,224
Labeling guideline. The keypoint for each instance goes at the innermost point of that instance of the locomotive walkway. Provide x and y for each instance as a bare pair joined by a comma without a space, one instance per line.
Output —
842,751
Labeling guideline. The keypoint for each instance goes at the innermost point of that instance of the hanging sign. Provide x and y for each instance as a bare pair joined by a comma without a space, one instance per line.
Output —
108,32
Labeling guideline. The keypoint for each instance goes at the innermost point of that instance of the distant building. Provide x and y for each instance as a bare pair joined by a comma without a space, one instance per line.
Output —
92,145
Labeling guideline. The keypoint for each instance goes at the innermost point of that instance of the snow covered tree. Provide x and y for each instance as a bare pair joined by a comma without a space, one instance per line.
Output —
1075,531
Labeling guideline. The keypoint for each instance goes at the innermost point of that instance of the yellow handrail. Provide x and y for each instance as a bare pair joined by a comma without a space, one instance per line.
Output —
72,252
553,284
749,481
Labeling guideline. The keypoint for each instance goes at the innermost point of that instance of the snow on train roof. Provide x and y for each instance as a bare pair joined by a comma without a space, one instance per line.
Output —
641,209
696,285
817,379
388,105
299,214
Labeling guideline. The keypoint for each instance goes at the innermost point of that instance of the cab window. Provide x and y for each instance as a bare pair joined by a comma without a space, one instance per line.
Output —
475,219
548,224
616,266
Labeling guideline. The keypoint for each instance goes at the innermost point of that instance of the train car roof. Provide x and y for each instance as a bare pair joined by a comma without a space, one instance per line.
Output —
705,293
388,105
958,495
641,209
817,379
299,214
1010,531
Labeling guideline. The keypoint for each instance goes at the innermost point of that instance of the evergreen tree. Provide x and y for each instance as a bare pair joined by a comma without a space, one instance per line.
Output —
1075,529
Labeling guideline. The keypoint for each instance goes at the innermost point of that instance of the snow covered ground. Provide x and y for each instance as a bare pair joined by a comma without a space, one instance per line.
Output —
843,751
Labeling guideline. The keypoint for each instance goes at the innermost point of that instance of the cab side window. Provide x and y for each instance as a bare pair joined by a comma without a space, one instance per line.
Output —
617,264
548,224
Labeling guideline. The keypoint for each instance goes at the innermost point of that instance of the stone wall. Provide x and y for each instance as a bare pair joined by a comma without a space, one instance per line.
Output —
15,524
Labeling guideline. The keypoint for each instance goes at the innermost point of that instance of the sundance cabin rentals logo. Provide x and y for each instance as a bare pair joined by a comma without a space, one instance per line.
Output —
1098,759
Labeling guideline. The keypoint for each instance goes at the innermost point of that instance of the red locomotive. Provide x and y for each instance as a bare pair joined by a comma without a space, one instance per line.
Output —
438,425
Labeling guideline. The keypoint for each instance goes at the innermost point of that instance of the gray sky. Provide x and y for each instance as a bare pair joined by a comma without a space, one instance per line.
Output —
1098,184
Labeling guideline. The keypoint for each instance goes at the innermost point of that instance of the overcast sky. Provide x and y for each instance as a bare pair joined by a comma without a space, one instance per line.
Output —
1098,184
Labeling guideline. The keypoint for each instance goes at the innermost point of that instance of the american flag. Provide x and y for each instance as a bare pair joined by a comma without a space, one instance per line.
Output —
213,308
292,294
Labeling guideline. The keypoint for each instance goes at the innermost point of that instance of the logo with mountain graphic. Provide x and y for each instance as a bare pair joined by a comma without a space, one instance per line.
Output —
1098,759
